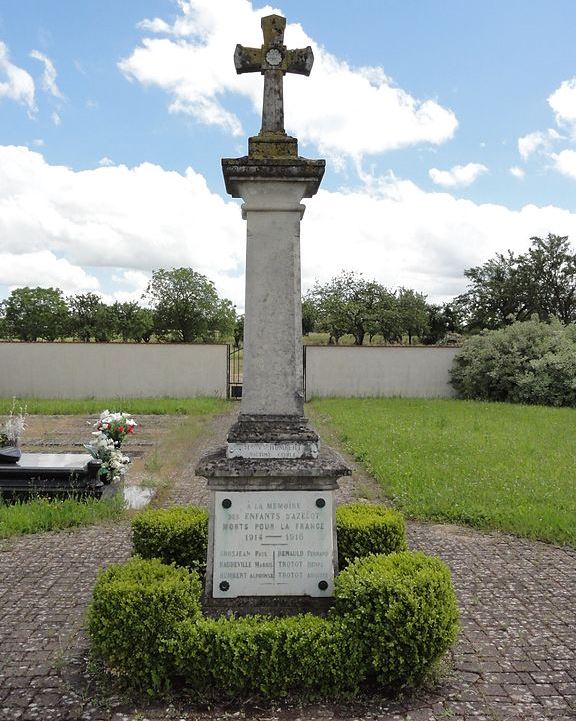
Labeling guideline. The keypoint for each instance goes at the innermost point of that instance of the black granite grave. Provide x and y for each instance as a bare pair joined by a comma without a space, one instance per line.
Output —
53,475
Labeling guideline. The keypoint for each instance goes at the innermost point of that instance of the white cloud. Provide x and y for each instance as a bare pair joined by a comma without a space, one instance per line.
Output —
563,103
38,142
22,269
15,83
57,226
49,75
193,63
539,140
106,162
517,172
122,218
130,285
458,176
565,162
402,235
56,118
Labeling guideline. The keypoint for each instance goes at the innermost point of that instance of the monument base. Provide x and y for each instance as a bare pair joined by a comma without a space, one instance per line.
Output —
272,531
272,436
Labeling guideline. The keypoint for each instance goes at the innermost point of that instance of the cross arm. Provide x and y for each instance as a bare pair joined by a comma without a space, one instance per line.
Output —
299,61
247,60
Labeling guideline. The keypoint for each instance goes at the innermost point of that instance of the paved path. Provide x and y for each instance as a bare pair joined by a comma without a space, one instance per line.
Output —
515,658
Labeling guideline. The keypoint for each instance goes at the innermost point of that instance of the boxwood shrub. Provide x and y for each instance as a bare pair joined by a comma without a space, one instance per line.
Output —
393,617
401,609
134,607
180,535
175,535
365,528
271,657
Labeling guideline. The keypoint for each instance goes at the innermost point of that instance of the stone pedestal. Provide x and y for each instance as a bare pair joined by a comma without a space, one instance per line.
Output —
272,529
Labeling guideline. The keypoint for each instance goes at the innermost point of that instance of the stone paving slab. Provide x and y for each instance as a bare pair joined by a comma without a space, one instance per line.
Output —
515,658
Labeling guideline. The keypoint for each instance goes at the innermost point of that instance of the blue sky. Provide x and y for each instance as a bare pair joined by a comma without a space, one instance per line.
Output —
449,130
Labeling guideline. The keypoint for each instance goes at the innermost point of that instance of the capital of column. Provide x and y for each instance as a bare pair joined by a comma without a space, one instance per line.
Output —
306,173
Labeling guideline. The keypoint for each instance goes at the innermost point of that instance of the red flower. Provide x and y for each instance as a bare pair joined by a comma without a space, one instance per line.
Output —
130,429
120,429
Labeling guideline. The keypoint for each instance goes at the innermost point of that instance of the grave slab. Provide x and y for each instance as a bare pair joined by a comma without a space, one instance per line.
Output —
51,474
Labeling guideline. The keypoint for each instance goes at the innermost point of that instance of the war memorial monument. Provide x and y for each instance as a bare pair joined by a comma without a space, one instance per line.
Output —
272,529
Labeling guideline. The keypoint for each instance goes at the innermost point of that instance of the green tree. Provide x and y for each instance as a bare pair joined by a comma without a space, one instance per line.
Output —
413,313
389,323
549,270
442,320
513,287
91,318
187,307
347,304
34,313
132,322
239,331
309,315
4,333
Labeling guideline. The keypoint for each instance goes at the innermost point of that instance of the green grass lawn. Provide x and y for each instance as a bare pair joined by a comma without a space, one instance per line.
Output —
42,514
488,465
135,406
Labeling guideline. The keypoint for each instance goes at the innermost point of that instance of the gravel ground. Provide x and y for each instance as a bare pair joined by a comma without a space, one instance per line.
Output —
515,657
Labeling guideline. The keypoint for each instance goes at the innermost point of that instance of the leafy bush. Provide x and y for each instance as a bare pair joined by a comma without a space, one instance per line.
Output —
134,606
365,528
175,535
527,362
394,616
180,535
401,610
227,657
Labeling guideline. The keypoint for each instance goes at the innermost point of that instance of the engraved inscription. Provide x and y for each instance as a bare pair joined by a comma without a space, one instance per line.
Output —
272,450
273,543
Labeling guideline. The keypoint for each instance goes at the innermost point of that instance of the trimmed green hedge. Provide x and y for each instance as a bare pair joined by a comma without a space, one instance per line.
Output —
134,607
174,535
401,609
227,658
365,528
394,616
180,535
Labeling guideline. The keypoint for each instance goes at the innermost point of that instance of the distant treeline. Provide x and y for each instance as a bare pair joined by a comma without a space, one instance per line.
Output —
181,305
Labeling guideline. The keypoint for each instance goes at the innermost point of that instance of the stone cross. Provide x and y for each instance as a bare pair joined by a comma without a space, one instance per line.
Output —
273,61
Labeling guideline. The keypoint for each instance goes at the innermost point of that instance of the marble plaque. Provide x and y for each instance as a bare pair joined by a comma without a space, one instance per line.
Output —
272,450
273,543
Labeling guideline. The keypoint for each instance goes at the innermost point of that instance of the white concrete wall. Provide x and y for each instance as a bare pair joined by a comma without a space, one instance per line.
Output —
108,370
352,371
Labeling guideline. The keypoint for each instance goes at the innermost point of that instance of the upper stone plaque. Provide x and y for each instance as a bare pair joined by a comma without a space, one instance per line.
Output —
273,61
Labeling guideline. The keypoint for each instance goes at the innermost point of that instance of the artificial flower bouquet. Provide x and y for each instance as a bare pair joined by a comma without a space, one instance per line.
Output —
115,426
111,430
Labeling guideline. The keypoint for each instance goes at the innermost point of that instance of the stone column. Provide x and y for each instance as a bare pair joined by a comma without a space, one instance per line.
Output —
272,423
273,378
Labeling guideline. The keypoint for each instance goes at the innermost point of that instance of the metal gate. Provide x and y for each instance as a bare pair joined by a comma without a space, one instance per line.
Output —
235,365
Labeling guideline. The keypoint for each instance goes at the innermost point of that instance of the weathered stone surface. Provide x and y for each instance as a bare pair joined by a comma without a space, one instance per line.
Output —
308,172
273,61
273,381
256,428
269,473
265,436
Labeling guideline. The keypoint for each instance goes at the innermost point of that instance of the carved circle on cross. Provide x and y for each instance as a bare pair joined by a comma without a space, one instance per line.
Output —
273,57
